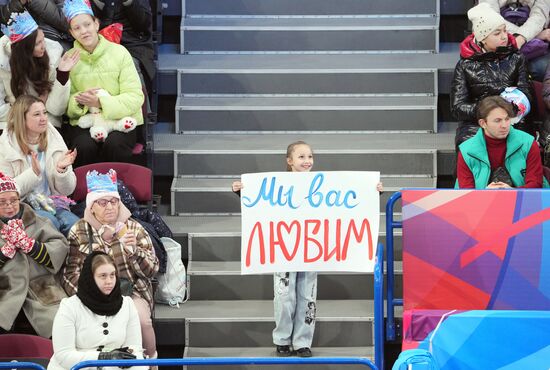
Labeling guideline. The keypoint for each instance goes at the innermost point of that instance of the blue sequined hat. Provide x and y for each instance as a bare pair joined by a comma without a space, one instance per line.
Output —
101,182
72,8
19,26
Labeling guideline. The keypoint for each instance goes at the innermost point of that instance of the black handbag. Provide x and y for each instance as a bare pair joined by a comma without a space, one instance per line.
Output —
501,174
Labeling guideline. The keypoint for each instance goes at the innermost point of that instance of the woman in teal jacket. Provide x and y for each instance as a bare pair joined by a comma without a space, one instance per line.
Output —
103,65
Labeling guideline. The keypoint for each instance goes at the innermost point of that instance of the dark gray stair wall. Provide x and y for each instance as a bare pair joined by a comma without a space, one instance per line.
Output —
207,35
256,333
249,70
260,287
228,119
309,81
306,114
308,7
237,154
447,7
400,163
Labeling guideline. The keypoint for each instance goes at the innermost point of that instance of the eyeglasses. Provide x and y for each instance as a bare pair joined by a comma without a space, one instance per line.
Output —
9,203
103,202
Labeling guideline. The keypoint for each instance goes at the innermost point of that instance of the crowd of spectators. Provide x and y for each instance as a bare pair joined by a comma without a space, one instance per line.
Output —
491,93
61,75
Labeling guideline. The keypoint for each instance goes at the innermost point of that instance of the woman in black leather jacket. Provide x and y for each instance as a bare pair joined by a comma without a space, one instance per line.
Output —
486,68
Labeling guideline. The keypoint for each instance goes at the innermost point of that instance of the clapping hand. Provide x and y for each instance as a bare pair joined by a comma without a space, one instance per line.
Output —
8,249
88,98
68,61
66,160
18,236
35,164
9,232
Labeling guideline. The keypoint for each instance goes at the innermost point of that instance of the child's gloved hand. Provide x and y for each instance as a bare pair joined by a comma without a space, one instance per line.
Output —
9,232
18,236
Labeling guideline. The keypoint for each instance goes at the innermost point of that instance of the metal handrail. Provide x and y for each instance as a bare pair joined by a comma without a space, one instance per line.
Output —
21,365
199,361
379,307
391,302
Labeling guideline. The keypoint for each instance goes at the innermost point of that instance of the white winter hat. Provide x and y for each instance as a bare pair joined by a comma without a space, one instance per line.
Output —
484,20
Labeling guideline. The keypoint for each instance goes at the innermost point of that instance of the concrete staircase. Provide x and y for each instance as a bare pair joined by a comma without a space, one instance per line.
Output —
217,26
358,80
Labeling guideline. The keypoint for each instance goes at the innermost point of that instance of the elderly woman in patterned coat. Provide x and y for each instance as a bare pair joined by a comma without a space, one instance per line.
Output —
107,227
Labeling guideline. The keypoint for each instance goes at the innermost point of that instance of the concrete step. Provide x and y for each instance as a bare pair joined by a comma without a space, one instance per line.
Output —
391,153
246,323
307,7
302,79
319,34
218,238
207,352
318,113
235,154
254,71
223,281
452,7
214,195
241,316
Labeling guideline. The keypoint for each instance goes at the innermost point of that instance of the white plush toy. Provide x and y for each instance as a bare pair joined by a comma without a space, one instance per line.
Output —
99,126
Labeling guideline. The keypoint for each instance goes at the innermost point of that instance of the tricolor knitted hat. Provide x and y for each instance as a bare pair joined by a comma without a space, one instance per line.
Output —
7,184
484,20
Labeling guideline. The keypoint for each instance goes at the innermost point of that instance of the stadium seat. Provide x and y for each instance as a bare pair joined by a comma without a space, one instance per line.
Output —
137,178
17,346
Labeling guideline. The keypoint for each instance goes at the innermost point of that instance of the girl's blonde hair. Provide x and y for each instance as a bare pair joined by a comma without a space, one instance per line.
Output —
103,259
17,123
290,150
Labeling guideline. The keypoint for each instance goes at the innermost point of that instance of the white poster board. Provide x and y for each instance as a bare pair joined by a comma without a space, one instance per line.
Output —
309,221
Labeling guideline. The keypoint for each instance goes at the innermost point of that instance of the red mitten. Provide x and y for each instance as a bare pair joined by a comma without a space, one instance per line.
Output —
8,250
14,232
5,232
16,223
26,244
18,237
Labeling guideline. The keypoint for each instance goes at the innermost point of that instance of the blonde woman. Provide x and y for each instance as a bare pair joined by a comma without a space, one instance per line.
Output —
35,155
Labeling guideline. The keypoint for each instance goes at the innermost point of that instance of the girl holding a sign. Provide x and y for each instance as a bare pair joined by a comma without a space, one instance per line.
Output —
295,293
